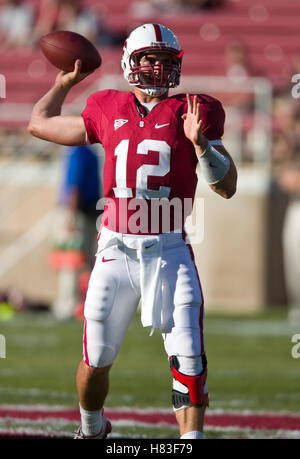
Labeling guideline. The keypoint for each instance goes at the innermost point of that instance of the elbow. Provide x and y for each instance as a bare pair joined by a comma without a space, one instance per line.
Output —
229,189
33,129
229,195
226,194
225,190
34,125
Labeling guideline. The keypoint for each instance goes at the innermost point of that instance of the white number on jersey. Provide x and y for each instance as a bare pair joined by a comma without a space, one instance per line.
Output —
157,170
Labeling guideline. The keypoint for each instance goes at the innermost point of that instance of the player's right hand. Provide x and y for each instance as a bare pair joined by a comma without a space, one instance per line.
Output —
69,79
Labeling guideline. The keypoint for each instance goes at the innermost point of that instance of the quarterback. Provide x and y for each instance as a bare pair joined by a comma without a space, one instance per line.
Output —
153,143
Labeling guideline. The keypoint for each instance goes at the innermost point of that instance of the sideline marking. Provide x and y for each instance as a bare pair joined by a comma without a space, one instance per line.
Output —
158,417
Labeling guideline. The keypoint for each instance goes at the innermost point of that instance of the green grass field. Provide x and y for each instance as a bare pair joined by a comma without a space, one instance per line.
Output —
250,365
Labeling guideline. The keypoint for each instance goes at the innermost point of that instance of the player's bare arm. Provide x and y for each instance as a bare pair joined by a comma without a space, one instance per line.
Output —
226,186
46,121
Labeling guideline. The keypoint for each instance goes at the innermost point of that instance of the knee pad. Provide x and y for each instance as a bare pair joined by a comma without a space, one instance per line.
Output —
98,351
100,356
191,390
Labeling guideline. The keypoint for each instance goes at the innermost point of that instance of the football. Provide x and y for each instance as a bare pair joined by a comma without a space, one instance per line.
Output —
62,48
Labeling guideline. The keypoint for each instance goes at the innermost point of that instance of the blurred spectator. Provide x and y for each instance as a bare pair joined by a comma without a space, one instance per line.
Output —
46,19
237,64
237,68
150,8
295,67
74,16
289,181
16,22
75,233
286,167
282,148
201,4
286,139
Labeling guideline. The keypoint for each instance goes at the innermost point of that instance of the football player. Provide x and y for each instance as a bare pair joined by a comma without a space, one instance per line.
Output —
153,143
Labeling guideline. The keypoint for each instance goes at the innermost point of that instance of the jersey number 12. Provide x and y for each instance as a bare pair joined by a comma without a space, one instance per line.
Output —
142,173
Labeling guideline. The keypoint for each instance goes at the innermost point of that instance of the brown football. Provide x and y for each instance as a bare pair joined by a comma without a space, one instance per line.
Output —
62,48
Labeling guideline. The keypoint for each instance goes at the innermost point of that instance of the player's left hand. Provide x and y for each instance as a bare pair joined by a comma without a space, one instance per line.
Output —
192,123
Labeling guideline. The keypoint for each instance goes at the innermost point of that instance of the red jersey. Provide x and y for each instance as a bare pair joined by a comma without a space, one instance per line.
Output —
150,165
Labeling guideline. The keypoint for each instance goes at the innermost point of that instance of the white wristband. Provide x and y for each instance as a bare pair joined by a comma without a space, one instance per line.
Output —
213,164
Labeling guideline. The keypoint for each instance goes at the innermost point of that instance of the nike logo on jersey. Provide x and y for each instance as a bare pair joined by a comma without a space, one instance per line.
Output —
158,126
148,246
107,259
119,123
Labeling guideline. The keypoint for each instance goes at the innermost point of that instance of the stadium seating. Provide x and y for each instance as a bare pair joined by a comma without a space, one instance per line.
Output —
269,30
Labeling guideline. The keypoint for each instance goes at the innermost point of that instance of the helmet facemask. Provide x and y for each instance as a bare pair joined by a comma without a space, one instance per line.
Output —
154,79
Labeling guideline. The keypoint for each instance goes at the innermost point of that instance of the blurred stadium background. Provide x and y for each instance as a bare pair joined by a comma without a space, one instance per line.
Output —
244,52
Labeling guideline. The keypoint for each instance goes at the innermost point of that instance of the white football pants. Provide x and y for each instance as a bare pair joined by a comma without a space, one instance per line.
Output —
119,281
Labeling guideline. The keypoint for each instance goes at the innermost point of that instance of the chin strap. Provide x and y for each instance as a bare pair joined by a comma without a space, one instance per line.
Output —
154,92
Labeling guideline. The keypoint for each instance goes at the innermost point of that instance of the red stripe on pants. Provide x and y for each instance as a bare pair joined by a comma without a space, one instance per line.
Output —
85,352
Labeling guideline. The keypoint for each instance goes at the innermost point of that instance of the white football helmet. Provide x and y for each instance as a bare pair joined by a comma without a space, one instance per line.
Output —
153,80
